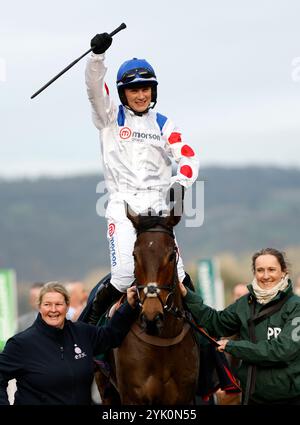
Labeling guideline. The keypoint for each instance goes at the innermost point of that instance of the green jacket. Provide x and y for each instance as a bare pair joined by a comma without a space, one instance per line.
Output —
276,353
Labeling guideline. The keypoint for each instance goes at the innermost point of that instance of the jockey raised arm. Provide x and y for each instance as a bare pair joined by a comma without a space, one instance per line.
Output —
137,146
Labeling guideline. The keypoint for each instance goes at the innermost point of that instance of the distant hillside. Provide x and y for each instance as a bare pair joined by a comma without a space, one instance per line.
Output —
50,230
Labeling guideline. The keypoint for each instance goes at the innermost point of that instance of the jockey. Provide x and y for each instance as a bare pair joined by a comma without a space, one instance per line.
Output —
137,144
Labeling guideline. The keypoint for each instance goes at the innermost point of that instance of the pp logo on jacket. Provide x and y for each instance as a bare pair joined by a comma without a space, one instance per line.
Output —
273,332
79,354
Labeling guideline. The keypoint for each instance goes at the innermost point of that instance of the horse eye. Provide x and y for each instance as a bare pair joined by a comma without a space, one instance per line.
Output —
172,256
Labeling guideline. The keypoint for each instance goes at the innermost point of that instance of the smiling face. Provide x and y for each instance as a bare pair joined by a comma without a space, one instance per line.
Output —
268,271
53,309
138,98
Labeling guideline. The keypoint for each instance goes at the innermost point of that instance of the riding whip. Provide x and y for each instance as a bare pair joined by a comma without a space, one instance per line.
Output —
121,27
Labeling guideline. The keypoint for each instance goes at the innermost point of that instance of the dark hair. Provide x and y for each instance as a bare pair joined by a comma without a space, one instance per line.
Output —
271,251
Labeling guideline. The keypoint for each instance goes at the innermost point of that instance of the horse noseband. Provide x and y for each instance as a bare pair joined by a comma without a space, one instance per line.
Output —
151,290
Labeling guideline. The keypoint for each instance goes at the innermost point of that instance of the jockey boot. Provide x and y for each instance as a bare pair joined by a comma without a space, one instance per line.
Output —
104,298
187,281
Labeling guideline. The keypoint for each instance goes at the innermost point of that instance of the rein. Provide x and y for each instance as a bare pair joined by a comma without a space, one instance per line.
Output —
187,317
152,290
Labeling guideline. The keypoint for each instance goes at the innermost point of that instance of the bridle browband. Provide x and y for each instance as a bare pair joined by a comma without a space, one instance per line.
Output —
161,229
152,290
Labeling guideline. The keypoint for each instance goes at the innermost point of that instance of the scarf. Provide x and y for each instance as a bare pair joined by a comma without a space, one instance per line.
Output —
264,296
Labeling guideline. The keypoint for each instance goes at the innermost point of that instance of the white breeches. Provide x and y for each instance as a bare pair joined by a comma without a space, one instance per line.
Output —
121,237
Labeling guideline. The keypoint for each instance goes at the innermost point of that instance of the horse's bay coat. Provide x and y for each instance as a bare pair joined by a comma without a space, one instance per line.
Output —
161,367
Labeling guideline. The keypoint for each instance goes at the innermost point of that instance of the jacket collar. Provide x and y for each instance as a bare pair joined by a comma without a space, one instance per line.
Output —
50,330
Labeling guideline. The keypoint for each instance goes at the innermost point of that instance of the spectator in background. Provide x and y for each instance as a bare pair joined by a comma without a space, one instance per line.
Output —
27,319
238,291
296,286
78,299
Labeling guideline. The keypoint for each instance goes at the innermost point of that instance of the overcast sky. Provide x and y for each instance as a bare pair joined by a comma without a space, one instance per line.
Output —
228,71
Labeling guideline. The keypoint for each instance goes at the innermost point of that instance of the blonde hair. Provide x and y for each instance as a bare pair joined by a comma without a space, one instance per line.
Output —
54,287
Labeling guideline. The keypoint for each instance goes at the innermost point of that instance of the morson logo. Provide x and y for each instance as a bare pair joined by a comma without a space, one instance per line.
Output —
137,136
112,246
111,229
125,133
145,136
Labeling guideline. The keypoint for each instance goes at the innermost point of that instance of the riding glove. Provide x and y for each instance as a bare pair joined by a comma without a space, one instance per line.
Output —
101,42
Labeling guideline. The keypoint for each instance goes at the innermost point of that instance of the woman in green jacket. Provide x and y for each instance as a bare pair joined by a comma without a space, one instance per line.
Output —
268,322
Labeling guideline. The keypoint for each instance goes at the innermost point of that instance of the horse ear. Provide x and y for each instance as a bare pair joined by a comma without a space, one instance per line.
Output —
175,197
175,216
132,215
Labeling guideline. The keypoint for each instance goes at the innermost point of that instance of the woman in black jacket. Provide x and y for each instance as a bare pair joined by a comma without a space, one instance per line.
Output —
52,361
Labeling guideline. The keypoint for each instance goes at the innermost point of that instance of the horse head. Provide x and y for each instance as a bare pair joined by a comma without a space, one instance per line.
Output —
155,266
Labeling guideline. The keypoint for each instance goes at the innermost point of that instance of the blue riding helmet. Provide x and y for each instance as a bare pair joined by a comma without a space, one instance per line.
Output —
136,72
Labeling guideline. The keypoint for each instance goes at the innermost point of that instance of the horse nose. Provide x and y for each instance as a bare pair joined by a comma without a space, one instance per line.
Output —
159,321
157,324
154,326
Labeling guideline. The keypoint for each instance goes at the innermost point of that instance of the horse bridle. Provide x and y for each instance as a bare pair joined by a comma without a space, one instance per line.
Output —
152,290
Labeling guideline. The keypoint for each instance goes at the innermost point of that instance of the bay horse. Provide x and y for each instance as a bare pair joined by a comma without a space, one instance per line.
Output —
158,361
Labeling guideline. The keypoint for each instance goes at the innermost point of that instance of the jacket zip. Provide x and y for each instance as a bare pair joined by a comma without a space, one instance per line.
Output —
73,396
